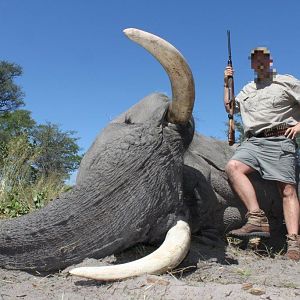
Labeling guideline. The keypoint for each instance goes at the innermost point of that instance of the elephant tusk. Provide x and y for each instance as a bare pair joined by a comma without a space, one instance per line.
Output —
169,255
180,75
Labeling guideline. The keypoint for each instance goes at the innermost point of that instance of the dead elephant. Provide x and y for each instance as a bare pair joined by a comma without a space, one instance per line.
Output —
147,174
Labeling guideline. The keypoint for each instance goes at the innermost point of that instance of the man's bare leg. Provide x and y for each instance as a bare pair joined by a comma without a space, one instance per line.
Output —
291,216
290,207
237,174
257,224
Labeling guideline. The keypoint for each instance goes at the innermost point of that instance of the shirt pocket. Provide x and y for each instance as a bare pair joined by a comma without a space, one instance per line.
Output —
280,99
249,101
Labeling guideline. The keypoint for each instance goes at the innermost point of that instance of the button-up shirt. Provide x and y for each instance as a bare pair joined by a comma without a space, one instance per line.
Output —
269,103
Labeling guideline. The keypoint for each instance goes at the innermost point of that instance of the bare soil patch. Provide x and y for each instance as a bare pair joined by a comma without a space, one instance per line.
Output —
207,273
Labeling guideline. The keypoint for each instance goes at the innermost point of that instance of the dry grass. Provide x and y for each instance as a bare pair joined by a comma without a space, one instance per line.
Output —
21,189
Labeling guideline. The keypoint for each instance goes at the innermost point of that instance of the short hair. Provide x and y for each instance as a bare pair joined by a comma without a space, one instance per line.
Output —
264,50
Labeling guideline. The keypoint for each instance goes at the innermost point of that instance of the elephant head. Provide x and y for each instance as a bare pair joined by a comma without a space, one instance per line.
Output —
129,185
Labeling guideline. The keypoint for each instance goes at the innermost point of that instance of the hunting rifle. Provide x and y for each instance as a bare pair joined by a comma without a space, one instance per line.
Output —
231,100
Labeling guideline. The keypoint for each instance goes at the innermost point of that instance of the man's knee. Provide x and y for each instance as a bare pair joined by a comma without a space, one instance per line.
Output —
236,167
288,190
230,167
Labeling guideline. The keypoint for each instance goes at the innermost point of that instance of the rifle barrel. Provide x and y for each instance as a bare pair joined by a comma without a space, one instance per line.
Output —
229,48
231,100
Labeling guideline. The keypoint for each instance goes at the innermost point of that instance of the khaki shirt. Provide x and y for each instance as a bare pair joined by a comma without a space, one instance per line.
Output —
269,103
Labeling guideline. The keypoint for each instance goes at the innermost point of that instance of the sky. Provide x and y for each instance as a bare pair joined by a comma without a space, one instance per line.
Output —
80,71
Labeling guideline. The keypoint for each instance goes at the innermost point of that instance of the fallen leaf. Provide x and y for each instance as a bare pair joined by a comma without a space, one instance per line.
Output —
247,286
256,292
157,281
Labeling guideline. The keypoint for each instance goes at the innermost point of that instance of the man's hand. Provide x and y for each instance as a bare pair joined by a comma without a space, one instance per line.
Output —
228,73
292,131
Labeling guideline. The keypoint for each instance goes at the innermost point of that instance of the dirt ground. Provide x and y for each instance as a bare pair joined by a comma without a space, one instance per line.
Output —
225,272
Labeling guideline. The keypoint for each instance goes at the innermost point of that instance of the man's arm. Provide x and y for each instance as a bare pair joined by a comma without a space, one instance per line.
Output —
292,132
227,73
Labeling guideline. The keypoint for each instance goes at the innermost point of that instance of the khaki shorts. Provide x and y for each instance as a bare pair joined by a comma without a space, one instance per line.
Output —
273,157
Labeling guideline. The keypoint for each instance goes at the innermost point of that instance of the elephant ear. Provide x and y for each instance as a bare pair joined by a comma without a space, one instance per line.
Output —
150,109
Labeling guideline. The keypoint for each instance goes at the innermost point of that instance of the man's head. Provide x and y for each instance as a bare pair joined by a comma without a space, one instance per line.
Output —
261,62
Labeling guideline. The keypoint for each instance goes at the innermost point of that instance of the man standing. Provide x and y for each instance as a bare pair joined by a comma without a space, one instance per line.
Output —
270,111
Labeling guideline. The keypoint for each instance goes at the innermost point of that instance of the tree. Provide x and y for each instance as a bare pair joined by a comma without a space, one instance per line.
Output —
11,95
16,169
13,124
239,130
35,159
57,151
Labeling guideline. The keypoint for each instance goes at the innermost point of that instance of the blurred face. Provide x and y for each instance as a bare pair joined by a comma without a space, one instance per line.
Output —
261,63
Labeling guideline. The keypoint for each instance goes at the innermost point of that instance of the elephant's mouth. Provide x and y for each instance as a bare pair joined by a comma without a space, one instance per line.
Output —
177,242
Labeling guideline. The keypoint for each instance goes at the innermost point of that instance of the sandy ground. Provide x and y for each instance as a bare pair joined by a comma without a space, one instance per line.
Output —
226,272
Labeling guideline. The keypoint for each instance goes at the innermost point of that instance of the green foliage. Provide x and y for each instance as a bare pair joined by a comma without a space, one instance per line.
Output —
240,136
16,166
12,207
15,174
11,95
239,130
57,150
35,160
13,124
22,188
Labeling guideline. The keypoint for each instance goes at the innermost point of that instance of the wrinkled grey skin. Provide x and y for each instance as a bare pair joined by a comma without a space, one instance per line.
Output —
140,175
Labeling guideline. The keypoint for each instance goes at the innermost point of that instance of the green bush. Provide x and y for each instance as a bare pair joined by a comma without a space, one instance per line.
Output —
35,159
21,188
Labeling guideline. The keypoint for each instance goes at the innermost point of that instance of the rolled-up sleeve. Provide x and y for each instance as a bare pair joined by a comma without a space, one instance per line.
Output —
240,96
295,91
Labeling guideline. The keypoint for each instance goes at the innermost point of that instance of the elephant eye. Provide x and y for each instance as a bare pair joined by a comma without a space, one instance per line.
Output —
128,120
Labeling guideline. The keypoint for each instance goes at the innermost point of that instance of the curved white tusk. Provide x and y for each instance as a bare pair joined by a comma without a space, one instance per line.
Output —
181,77
169,255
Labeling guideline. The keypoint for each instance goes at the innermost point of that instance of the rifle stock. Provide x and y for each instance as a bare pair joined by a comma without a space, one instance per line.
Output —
231,100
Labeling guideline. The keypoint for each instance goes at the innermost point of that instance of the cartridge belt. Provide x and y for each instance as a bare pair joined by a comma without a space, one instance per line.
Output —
277,130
